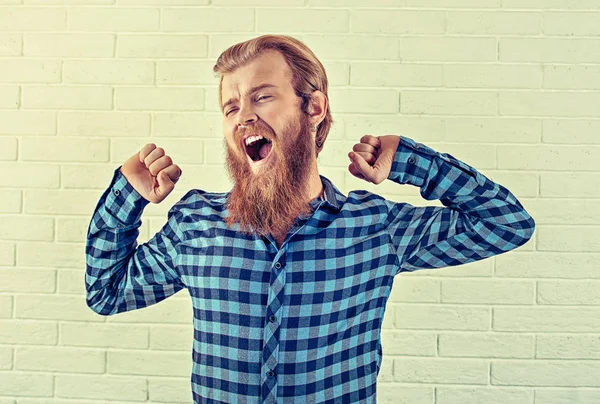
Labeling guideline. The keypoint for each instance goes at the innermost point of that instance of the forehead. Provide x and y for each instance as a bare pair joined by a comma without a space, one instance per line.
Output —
270,67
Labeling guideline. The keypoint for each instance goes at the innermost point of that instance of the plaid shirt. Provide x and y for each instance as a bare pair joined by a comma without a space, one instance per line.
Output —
300,323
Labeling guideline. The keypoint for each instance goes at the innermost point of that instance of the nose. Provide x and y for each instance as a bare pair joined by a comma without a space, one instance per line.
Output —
246,117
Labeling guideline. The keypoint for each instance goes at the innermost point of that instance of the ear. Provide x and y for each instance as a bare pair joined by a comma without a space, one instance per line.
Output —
317,108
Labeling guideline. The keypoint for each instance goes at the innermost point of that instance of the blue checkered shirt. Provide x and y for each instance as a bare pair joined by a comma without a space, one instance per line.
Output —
300,323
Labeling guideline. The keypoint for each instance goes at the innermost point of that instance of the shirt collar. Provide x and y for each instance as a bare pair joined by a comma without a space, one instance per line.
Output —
331,195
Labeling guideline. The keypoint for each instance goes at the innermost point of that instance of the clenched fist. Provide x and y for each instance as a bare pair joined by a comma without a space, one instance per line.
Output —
151,173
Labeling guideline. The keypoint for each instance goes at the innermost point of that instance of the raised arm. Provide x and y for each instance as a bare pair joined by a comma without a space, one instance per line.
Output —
480,218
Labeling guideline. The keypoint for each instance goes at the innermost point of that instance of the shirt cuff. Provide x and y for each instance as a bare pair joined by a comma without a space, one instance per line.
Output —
412,162
123,201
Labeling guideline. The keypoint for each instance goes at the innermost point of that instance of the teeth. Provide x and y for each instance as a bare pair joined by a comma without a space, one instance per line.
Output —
253,139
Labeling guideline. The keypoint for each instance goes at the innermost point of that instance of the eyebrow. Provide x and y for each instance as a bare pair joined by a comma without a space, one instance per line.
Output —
252,90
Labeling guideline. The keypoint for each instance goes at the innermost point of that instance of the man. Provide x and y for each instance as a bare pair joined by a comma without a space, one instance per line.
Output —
289,277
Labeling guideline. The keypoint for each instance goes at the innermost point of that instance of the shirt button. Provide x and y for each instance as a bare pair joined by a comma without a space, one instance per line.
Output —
411,160
117,192
277,265
272,319
270,373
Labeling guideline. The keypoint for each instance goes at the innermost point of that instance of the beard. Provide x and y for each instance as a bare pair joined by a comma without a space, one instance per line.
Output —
270,200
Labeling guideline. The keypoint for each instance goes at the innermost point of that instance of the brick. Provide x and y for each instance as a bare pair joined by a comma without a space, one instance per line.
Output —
540,319
322,21
522,185
50,254
148,363
395,393
563,395
9,97
566,292
486,345
569,212
364,101
103,387
572,77
29,175
18,227
454,3
10,201
488,395
65,149
548,265
108,72
185,72
549,50
162,46
386,370
178,338
58,359
553,104
30,71
175,310
547,4
7,258
23,332
6,358
138,98
23,384
207,19
33,19
416,290
568,346
546,373
287,3
182,125
83,2
28,122
11,44
354,47
493,22
573,185
492,129
220,42
86,176
67,97
69,45
444,317
8,149
484,291
448,102
99,124
181,152
53,307
438,370
114,19
397,22
104,335
396,74
71,229
492,76
425,129
165,2
169,390
71,282
447,49
62,202
568,238
408,343
548,158
566,23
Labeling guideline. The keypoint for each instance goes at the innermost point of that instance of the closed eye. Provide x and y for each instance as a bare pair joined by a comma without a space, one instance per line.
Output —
259,98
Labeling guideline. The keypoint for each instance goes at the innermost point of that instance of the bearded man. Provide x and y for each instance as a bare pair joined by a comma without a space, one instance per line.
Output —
288,276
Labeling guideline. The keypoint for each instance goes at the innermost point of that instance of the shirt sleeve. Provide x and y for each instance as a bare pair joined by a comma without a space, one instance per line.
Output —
480,218
120,275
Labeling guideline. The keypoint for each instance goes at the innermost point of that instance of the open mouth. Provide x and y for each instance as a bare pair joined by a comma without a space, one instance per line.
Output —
257,148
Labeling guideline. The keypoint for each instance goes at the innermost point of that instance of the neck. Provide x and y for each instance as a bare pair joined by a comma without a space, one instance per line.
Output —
315,187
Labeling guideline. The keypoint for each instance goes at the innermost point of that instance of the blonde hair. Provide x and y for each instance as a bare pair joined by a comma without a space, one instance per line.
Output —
308,74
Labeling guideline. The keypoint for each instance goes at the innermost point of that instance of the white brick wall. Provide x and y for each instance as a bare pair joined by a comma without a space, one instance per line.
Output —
511,87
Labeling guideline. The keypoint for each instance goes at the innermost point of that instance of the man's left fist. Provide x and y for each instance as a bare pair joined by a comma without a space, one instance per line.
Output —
372,158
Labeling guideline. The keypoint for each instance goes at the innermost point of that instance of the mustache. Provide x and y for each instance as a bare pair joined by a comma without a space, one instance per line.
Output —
255,129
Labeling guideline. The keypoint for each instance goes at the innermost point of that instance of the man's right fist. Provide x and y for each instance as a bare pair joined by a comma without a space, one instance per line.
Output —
151,173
